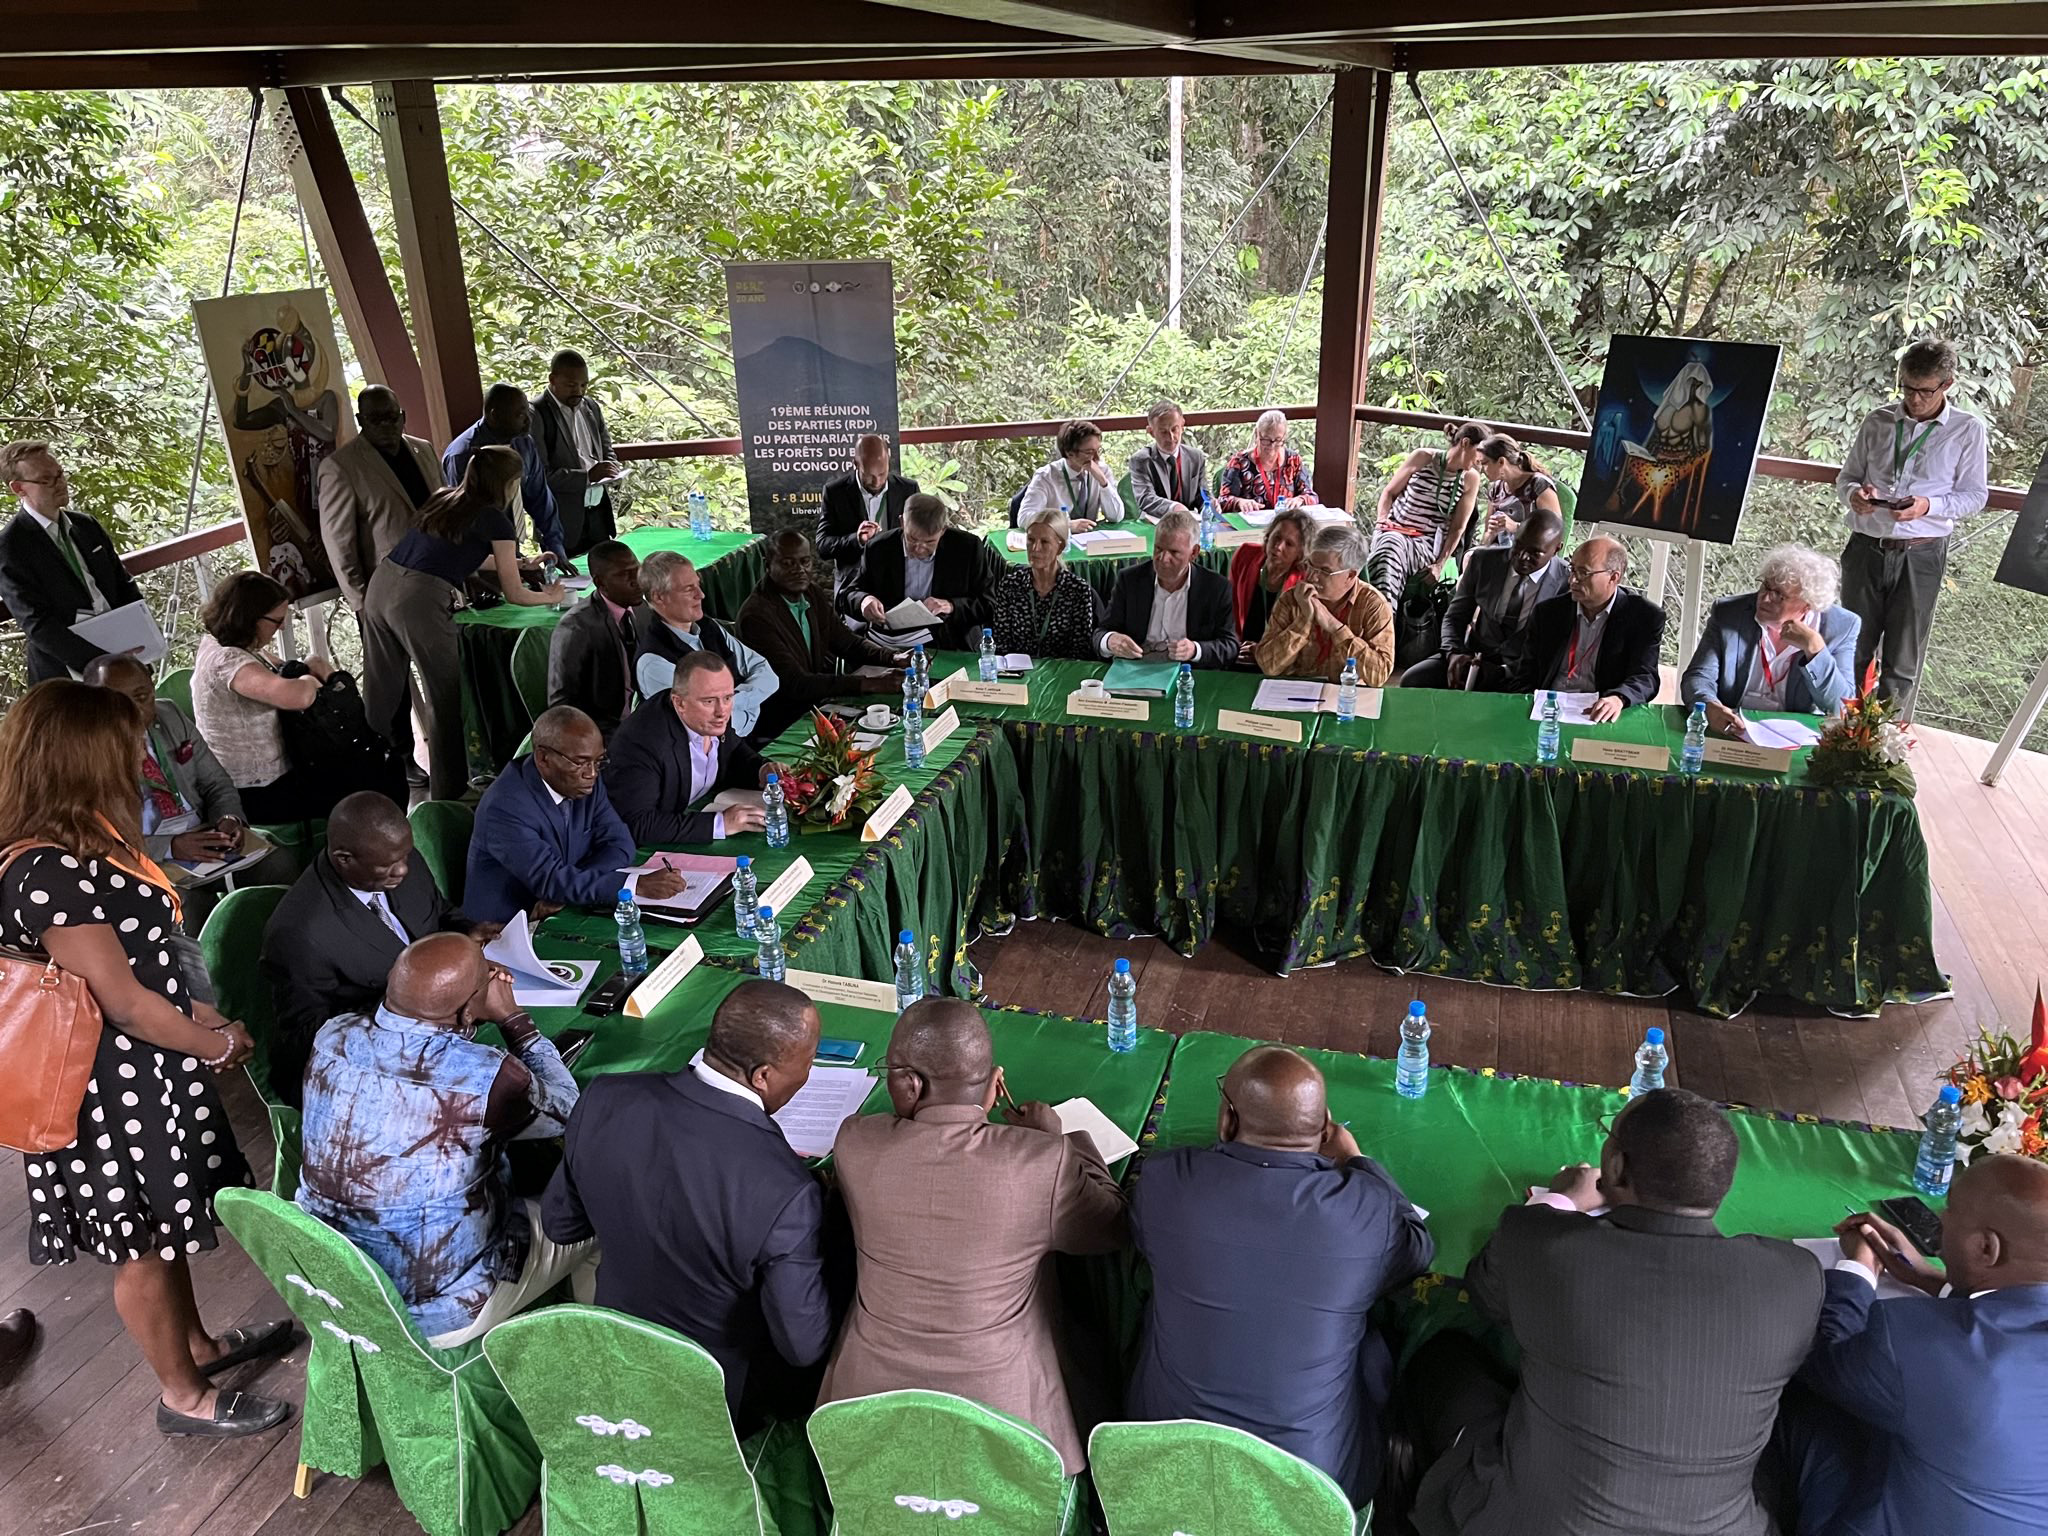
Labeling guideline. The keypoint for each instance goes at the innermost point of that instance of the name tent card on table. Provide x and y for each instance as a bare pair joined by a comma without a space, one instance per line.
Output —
1265,727
1235,538
847,991
1620,754
1108,707
974,691
663,978
1744,754
787,884
940,729
887,814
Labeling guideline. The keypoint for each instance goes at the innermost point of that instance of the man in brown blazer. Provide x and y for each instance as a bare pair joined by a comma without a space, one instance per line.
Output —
952,1219
371,491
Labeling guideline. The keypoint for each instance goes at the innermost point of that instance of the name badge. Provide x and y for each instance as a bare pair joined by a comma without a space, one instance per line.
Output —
887,814
1105,706
787,884
847,991
941,728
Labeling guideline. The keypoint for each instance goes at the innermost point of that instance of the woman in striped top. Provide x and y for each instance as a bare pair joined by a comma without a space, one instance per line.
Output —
1425,510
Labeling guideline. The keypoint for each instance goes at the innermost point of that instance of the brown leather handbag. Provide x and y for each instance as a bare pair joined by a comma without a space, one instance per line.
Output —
49,1033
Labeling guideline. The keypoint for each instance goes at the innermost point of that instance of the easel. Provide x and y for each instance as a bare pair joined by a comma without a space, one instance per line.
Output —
2015,733
1692,596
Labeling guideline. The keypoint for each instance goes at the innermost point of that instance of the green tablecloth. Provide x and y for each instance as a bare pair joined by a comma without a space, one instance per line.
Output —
494,716
1101,571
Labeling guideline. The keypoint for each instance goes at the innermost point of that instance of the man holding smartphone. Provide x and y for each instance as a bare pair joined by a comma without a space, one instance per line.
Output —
1916,469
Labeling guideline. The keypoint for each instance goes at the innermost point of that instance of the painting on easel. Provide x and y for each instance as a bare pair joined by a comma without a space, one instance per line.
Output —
1676,435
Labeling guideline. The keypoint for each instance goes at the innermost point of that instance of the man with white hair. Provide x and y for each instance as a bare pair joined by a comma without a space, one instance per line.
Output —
1268,476
673,624
1785,647
1331,616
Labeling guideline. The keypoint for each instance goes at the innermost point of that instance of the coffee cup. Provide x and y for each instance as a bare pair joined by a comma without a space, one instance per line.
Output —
878,717
1092,687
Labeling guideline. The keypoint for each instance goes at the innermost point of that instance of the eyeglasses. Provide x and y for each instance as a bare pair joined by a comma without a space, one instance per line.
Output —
39,479
580,764
1316,572
278,620
1273,442
1584,578
1916,392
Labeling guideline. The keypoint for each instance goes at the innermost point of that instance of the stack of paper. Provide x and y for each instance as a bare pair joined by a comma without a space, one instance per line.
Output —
1792,734
810,1122
1571,707
1108,541
1108,1136
538,983
128,628
908,615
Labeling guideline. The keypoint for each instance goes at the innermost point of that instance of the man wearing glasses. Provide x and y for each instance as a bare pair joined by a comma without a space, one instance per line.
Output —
371,491
546,835
57,566
1916,469
1598,638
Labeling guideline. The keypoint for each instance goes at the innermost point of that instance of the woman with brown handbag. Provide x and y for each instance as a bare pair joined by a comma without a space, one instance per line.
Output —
135,1188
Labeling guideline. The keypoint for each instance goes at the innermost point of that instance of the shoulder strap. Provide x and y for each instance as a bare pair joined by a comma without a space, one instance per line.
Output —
14,851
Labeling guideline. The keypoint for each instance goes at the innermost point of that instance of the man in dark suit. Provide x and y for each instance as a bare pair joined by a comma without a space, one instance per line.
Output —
546,836
708,1222
1653,1349
1168,472
1281,1351
1914,1415
860,506
1488,618
590,658
793,624
953,572
330,945
1169,607
1599,638
57,566
679,748
576,451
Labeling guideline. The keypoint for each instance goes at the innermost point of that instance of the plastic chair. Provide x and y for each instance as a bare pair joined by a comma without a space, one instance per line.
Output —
530,669
893,1460
440,832
1567,503
634,1434
231,943
177,687
1128,497
1184,1475
459,1453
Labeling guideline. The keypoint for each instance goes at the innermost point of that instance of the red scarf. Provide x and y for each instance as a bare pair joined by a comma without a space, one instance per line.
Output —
156,787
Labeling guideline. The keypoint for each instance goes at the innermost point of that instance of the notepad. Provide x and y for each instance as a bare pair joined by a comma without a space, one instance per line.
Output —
1108,1136
1571,707
1788,734
1290,695
1141,679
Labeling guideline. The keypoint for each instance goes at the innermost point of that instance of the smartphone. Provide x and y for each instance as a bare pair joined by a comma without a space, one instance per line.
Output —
610,997
1891,503
571,1043
837,1053
1917,1219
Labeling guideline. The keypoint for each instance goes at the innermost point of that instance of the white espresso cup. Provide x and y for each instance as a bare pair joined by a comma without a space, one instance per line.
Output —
1092,687
877,718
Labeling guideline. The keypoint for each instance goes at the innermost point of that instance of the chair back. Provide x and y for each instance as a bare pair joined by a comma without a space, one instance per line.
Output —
1017,504
1568,504
177,687
530,668
1184,1475
1127,495
231,944
893,1460
440,832
631,1421
460,1456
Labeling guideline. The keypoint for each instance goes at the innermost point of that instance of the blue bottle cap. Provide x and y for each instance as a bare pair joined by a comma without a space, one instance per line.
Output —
768,913
1654,1035
906,937
1950,1094
1123,967
626,894
1187,669
744,862
1417,1009
988,634
774,777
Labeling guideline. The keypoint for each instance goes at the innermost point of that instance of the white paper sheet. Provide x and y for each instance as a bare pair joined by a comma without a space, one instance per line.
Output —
538,983
254,851
1108,1136
1260,519
1829,1251
1780,733
1295,695
131,627
810,1122
909,614
730,799
698,884
1571,707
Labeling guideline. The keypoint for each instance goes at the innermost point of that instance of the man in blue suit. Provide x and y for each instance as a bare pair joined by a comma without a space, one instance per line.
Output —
1268,1251
546,836
1923,1415
1787,647
507,422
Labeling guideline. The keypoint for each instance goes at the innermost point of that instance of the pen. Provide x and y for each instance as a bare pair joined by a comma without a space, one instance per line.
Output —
1009,1103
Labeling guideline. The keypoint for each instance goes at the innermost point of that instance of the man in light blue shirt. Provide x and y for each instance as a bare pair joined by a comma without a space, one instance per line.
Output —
508,422
673,624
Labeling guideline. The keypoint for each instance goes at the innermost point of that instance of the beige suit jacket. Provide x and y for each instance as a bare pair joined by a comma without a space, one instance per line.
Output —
364,511
952,1220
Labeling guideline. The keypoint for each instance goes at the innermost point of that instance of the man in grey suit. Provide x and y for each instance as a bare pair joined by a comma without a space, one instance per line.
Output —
1653,1348
1169,473
371,491
1488,616
207,822
576,448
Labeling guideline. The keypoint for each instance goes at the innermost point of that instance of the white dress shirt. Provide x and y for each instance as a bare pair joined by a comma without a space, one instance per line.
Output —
704,774
713,1078
1765,687
1577,677
754,681
99,601
1054,486
917,576
380,907
1169,621
1949,469
874,503
582,431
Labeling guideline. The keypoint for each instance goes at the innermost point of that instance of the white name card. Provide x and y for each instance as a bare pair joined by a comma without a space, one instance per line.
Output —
1104,706
1746,754
1236,538
887,814
1266,727
940,729
662,980
974,691
939,693
787,884
847,991
1620,754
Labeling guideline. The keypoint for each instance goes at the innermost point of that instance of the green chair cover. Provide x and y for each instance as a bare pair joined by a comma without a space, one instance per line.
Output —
1567,503
440,832
231,943
1184,1475
459,1453
530,668
634,1434
893,1460
177,687
1130,500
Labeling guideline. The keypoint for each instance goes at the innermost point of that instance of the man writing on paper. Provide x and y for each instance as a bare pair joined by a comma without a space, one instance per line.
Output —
546,836
57,566
1284,1352
590,658
1170,608
859,507
407,1121
576,450
790,620
1598,638
954,573
1487,622
709,1223
674,626
680,748
1787,646
952,1220
508,422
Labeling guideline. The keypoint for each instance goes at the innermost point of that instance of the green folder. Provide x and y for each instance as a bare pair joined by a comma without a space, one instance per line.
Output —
1142,679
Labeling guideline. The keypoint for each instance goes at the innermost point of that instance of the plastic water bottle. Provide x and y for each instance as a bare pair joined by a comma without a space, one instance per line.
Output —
1937,1161
1651,1060
768,957
632,941
1207,527
988,655
1123,1008
921,664
746,895
1184,698
1347,693
1548,733
1694,757
1067,517
909,970
1411,1064
700,515
913,727
775,813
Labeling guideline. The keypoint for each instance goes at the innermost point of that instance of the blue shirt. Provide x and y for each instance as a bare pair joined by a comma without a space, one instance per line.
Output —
452,559
533,483
753,682
528,846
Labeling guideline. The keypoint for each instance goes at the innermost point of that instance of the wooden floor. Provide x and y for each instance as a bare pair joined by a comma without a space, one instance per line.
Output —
78,1452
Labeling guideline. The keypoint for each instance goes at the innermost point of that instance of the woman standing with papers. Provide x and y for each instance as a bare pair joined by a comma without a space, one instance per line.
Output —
1045,610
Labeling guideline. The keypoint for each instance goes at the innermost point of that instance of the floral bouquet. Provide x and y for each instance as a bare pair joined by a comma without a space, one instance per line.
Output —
2005,1090
832,782
1865,745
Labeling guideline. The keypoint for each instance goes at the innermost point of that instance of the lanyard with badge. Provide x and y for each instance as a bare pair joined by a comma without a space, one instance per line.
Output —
1275,486
1082,499
1903,453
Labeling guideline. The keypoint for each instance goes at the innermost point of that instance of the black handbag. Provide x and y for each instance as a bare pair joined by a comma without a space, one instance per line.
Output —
332,736
1419,623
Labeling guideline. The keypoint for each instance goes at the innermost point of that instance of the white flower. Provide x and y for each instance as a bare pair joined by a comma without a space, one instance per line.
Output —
1975,1121
2003,1137
842,793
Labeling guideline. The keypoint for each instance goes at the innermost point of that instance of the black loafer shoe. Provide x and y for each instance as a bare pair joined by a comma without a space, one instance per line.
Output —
234,1413
253,1344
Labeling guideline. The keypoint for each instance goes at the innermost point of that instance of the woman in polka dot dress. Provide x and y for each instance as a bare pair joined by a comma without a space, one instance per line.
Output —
136,1188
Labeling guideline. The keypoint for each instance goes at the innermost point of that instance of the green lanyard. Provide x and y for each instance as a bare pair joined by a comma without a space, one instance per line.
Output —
1043,621
1073,499
1902,452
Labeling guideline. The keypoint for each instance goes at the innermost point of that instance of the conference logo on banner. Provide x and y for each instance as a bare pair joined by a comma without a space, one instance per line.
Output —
814,354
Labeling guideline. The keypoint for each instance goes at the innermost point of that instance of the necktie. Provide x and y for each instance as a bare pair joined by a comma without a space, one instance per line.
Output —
626,648
62,535
382,907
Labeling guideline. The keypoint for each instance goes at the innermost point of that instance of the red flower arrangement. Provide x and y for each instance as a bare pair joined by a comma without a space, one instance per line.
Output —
832,782
2005,1091
1865,745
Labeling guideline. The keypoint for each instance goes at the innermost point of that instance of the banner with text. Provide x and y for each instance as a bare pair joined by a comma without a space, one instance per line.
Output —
814,352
